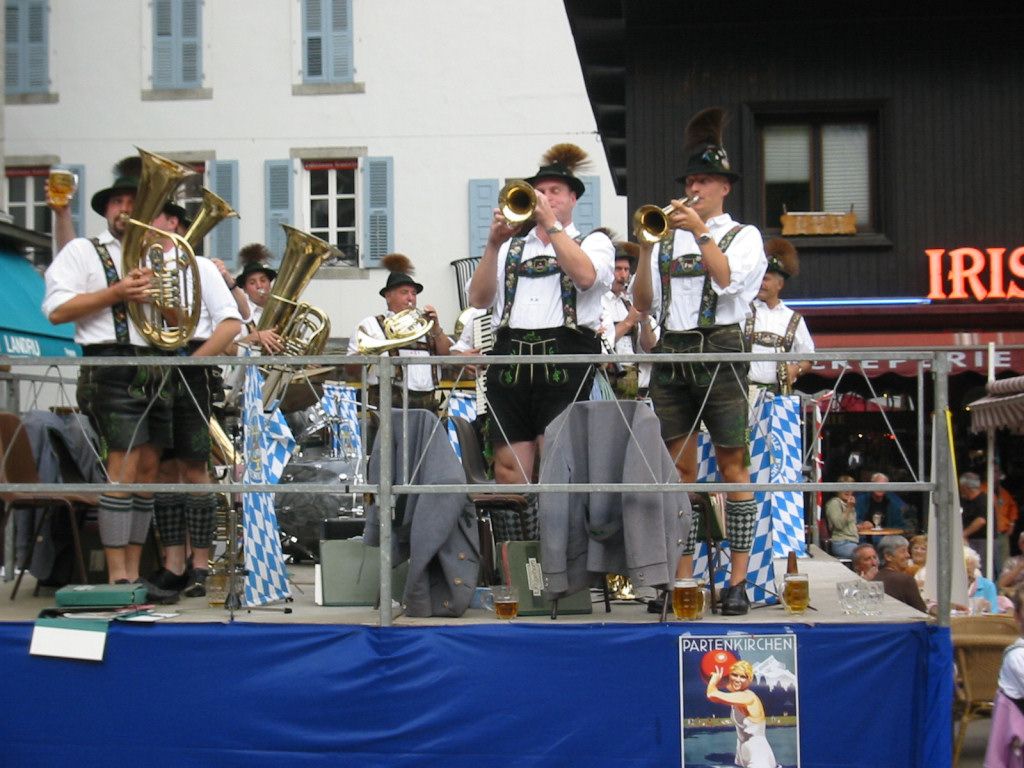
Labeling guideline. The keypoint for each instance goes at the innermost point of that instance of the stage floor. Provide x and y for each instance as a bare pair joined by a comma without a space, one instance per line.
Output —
823,571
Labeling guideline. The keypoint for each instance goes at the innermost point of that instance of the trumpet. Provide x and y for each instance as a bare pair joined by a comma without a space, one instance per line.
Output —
516,200
651,222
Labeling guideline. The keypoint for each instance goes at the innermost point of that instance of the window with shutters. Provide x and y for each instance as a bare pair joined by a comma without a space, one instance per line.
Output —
26,52
177,44
331,204
819,163
26,197
327,41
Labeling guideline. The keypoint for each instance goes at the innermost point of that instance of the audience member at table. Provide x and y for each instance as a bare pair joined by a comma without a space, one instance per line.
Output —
918,558
894,552
892,508
979,588
841,514
1005,738
864,561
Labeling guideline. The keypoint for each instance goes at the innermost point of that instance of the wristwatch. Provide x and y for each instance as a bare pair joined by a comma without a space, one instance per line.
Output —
555,228
705,238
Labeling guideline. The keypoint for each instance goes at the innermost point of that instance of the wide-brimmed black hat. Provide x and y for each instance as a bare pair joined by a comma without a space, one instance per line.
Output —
255,257
396,279
252,268
704,149
173,209
560,162
126,179
624,249
399,266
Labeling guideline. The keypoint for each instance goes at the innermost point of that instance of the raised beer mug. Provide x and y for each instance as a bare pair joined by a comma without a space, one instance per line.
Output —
503,601
61,186
690,600
795,592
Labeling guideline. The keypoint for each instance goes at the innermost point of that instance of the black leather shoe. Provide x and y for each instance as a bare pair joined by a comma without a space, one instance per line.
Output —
655,606
734,601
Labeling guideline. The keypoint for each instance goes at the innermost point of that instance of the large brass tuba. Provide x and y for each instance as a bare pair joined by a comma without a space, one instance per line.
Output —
651,222
400,330
169,320
212,212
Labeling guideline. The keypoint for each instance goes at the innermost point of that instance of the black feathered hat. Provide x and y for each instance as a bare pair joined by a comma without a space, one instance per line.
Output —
782,257
704,149
255,257
561,163
126,179
624,249
399,266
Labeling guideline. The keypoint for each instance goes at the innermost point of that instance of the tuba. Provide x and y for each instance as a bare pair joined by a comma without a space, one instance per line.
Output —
400,330
651,222
169,320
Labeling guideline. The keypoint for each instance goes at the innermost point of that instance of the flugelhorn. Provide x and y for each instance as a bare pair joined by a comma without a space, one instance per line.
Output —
400,330
516,200
651,222
169,319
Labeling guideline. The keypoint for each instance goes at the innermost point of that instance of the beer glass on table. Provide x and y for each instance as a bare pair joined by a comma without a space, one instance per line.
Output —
503,601
689,600
795,592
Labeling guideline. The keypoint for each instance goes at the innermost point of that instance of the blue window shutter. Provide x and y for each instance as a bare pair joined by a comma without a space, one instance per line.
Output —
12,48
36,64
191,73
78,201
313,26
341,41
378,210
164,44
224,237
483,197
277,183
587,214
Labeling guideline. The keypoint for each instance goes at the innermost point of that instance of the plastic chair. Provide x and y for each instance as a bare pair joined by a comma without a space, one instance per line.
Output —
17,465
978,645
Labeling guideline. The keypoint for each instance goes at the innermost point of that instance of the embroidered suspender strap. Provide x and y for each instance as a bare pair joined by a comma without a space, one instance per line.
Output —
541,266
690,265
794,323
428,346
748,326
634,335
119,310
708,297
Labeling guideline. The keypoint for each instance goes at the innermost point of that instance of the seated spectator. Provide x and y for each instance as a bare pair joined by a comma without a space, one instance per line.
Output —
1012,575
891,507
841,515
978,587
864,561
895,554
918,558
1005,737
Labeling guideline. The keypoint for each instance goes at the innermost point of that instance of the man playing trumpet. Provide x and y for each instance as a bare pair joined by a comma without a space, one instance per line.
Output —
544,290
699,281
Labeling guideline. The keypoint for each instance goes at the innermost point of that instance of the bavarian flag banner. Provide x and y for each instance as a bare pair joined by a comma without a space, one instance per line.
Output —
268,447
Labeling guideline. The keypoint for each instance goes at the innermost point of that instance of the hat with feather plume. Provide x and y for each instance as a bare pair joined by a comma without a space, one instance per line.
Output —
704,148
561,162
782,257
399,266
255,257
126,179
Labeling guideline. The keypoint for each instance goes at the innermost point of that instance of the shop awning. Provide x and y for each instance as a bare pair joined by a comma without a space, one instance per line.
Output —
1002,407
24,331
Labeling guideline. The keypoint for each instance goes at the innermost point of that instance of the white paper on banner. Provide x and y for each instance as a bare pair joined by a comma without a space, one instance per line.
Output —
63,638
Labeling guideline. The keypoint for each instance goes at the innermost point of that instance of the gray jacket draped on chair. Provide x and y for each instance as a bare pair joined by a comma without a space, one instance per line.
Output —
639,535
436,533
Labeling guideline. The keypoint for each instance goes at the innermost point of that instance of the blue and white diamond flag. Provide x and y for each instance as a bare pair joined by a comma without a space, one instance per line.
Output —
268,447
464,405
340,403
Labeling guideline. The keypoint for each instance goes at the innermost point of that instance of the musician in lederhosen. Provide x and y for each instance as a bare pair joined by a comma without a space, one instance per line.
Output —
771,326
400,292
699,282
186,460
544,290
129,407
623,327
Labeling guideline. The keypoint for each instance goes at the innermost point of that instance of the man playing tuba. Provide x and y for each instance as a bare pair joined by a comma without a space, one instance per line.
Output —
400,292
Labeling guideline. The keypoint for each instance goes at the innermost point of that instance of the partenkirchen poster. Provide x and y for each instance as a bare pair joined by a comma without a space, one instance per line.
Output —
739,701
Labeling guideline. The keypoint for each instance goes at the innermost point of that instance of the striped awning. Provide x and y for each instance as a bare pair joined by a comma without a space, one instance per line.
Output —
1002,407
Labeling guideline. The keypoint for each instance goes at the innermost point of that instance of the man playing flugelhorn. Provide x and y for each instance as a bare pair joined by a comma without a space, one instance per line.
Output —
544,290
699,281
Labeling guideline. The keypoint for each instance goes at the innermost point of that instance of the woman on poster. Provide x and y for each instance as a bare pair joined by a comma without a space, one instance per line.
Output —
752,747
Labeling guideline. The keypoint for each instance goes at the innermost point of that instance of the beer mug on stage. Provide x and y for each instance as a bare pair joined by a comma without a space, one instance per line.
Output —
61,186
795,593
689,600
503,601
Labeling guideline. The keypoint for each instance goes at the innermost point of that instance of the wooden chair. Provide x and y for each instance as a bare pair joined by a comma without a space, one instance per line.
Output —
978,645
17,465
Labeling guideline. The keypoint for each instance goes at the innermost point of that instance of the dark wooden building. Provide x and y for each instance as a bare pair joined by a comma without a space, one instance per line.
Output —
910,112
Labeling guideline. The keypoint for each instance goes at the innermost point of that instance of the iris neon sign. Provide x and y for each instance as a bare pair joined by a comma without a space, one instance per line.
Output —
977,274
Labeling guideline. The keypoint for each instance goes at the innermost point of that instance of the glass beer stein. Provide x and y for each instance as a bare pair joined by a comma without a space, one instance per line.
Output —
61,186
689,600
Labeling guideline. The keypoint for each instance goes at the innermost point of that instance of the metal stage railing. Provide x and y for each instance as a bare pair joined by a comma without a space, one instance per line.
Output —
940,486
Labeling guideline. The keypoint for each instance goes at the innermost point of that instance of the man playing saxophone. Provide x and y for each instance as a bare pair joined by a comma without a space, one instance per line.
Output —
129,406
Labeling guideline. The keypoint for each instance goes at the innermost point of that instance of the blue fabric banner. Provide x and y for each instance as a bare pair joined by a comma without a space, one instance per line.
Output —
601,696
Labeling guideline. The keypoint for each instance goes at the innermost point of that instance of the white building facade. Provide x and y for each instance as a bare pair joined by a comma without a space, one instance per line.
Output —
377,125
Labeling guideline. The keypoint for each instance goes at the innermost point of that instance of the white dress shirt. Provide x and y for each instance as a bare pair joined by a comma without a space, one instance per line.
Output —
747,264
421,378
76,270
218,304
538,300
767,319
